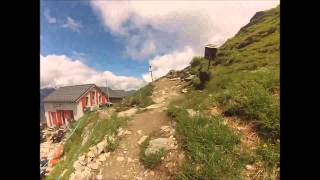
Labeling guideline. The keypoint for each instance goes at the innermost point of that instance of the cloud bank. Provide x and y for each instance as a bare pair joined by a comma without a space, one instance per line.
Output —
60,70
169,33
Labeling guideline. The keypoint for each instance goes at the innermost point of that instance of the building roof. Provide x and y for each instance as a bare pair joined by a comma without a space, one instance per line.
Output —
115,93
68,93
211,46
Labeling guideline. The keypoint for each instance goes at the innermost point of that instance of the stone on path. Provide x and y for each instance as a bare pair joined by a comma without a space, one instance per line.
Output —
142,139
120,158
139,132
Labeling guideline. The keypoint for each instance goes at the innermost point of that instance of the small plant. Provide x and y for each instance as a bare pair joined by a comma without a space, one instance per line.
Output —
270,154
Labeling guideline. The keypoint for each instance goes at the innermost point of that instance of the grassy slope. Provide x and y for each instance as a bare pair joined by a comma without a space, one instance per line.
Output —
140,98
244,83
73,148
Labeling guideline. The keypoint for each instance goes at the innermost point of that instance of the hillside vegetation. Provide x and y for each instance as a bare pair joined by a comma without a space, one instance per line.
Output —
140,99
244,82
91,129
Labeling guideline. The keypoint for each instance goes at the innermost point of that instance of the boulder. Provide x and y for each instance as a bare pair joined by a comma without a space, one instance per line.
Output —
120,158
101,146
120,132
102,158
82,158
127,113
107,154
189,78
77,166
250,167
83,175
214,111
99,177
165,128
142,139
191,112
159,143
93,166
175,79
184,90
139,132
91,154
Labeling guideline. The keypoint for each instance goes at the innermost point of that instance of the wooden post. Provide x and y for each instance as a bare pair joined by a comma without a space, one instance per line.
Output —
151,73
210,53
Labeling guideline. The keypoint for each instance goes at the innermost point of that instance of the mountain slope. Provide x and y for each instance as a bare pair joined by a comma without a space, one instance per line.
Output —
244,84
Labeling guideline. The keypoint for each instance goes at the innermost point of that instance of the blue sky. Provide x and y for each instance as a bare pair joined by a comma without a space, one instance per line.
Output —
95,41
96,47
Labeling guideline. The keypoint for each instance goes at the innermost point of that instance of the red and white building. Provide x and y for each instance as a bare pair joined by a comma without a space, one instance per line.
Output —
70,102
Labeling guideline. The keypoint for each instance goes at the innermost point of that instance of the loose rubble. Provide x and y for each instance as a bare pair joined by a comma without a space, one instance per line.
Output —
87,164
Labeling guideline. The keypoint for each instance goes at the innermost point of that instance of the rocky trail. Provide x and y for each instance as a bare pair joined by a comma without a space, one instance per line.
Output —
154,123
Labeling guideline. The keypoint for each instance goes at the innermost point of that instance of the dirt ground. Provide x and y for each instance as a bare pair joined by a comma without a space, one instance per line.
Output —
124,162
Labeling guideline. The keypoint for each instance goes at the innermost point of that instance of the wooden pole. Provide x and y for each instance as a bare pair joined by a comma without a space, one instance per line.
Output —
151,73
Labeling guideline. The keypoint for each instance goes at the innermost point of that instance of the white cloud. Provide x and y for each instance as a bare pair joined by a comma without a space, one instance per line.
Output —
176,60
146,49
152,27
49,18
72,24
60,70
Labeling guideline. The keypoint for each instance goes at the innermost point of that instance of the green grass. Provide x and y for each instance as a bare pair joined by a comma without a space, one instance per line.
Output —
140,98
244,82
150,161
210,147
73,148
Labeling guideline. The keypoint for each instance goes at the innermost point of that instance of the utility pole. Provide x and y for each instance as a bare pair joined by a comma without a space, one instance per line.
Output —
150,70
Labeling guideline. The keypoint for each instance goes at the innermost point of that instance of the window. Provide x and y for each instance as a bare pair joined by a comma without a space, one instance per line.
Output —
87,101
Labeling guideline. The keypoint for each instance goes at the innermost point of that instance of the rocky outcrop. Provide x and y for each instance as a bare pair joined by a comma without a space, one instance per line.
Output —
87,164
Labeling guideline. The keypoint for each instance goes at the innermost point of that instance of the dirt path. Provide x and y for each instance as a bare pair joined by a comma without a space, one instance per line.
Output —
124,162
